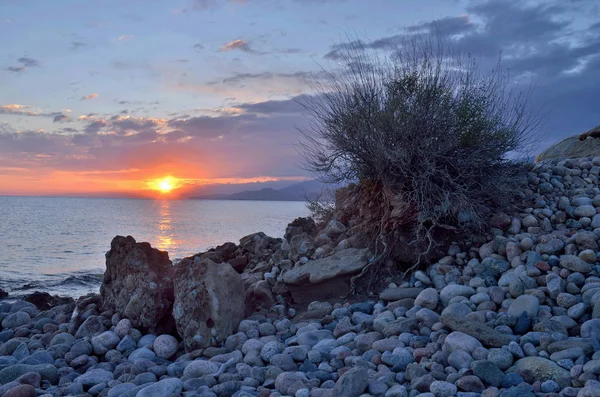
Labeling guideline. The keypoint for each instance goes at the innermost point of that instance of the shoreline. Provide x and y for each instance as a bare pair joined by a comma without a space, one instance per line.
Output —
516,316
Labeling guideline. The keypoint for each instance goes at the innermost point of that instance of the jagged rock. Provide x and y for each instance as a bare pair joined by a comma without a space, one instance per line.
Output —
138,285
209,302
299,226
325,278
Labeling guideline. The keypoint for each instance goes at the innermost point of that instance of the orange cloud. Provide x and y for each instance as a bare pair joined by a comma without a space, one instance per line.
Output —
88,97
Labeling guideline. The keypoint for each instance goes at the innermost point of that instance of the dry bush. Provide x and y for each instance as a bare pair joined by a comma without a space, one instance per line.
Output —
427,134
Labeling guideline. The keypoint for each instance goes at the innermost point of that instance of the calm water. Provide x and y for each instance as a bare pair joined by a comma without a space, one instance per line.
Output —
58,244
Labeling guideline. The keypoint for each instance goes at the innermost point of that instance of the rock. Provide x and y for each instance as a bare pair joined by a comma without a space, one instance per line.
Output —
290,382
163,388
572,147
352,383
137,284
328,277
575,264
484,334
45,301
94,377
3,294
21,391
199,368
209,302
165,346
104,342
12,372
541,369
488,372
524,303
428,298
460,341
91,326
453,290
299,226
395,294
16,320
442,389
259,296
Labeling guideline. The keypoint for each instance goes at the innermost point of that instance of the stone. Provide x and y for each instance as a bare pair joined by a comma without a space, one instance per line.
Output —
524,303
199,368
488,372
572,147
541,369
428,298
45,301
165,346
91,326
470,384
573,263
442,389
163,388
327,276
138,285
12,372
209,302
460,341
16,320
290,382
94,377
352,383
453,290
299,226
104,342
483,334
21,391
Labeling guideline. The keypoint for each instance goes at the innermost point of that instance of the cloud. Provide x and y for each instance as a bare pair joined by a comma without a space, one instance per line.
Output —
77,44
198,46
61,118
540,42
240,45
23,64
26,110
89,97
125,37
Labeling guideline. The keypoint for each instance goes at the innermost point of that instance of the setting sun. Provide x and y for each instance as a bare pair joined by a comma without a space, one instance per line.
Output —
164,185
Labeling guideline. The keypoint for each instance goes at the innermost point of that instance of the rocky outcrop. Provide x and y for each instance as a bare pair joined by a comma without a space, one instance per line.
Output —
138,284
576,146
209,301
325,278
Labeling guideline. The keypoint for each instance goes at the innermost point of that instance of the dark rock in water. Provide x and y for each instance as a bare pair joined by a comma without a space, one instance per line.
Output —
45,301
3,294
138,284
209,302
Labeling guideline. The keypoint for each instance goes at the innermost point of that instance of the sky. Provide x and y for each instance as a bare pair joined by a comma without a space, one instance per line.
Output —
106,97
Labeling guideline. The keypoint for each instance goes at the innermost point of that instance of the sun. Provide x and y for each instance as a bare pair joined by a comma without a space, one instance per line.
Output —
164,185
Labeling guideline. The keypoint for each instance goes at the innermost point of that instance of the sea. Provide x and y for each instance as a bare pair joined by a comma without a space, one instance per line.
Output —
58,245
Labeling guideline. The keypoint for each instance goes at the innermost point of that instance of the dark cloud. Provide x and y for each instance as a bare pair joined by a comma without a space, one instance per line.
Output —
61,118
198,46
244,77
538,43
77,44
95,126
24,63
275,107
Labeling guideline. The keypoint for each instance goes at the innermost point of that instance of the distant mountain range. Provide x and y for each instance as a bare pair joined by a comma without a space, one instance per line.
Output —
296,192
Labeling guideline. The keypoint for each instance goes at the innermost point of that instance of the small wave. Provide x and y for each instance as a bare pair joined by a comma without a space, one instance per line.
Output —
73,280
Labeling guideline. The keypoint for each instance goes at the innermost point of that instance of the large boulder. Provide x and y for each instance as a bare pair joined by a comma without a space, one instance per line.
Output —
584,145
138,284
209,302
325,278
